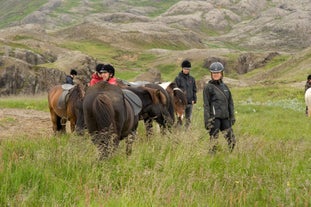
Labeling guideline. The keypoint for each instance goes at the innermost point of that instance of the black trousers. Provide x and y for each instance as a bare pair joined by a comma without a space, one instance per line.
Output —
220,125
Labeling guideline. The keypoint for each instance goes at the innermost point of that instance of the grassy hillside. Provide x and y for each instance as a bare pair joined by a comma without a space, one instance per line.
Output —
13,10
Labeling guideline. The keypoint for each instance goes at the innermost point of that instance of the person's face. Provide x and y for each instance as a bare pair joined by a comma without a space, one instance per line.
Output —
186,70
216,76
105,75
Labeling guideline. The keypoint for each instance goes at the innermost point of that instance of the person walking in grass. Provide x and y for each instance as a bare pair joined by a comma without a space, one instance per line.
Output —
218,108
187,84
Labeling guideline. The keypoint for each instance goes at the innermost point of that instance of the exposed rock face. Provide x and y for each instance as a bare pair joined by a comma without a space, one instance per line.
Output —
20,73
250,61
19,77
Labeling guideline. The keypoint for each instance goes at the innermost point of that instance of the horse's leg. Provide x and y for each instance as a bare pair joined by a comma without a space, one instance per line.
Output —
101,142
56,126
129,142
61,124
309,111
148,127
72,125
179,121
114,142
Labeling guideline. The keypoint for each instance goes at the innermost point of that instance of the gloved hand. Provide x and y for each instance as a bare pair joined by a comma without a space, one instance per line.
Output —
232,121
210,123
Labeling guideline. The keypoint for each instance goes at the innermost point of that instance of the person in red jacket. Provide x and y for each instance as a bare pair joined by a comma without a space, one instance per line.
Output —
108,74
104,72
97,76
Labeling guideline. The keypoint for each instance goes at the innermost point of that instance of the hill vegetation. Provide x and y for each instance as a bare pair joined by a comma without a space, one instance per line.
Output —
137,36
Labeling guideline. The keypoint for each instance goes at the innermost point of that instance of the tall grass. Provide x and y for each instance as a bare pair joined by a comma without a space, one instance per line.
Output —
269,167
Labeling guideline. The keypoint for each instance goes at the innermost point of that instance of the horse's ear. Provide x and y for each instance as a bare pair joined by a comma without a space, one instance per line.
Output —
161,97
157,96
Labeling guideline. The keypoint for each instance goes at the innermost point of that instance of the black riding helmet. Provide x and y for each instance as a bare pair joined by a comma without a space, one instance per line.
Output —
109,68
73,72
186,64
216,67
99,68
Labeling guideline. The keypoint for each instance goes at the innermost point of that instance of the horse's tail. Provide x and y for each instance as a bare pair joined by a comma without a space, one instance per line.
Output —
104,113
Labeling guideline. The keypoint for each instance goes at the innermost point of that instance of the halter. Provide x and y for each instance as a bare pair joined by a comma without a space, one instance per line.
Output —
177,89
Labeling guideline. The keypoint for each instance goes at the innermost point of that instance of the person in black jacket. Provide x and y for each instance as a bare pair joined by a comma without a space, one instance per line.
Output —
186,83
69,78
218,108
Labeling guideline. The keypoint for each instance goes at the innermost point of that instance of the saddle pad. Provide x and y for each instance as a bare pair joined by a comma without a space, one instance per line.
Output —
61,104
134,100
138,83
67,86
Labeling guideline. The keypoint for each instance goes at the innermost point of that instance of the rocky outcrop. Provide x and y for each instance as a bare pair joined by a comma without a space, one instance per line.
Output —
250,61
18,77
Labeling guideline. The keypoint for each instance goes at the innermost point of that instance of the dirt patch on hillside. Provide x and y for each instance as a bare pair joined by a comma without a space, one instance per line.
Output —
22,122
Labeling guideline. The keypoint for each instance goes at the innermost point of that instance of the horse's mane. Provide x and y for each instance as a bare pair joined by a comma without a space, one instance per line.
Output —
77,92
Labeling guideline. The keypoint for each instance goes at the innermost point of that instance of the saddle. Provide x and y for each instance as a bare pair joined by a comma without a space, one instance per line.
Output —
134,100
62,100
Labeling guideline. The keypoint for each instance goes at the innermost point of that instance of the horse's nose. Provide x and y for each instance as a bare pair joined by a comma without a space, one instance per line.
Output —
179,115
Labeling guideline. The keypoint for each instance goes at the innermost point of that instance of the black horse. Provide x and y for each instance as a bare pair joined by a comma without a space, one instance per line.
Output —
109,118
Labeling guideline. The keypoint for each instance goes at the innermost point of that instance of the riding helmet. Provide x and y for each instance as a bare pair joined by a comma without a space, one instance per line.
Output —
109,68
216,67
186,64
73,72
99,68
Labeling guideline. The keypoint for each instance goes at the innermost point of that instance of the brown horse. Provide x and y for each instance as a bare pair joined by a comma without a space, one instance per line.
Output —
65,104
179,99
109,117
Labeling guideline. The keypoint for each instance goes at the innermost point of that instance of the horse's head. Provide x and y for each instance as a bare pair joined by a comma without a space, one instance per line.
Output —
180,102
160,106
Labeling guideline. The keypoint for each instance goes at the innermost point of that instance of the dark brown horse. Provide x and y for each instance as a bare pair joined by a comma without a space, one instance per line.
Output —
65,104
156,106
109,117
179,99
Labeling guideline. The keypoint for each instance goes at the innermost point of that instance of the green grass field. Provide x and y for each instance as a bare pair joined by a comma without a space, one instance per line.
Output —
269,167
